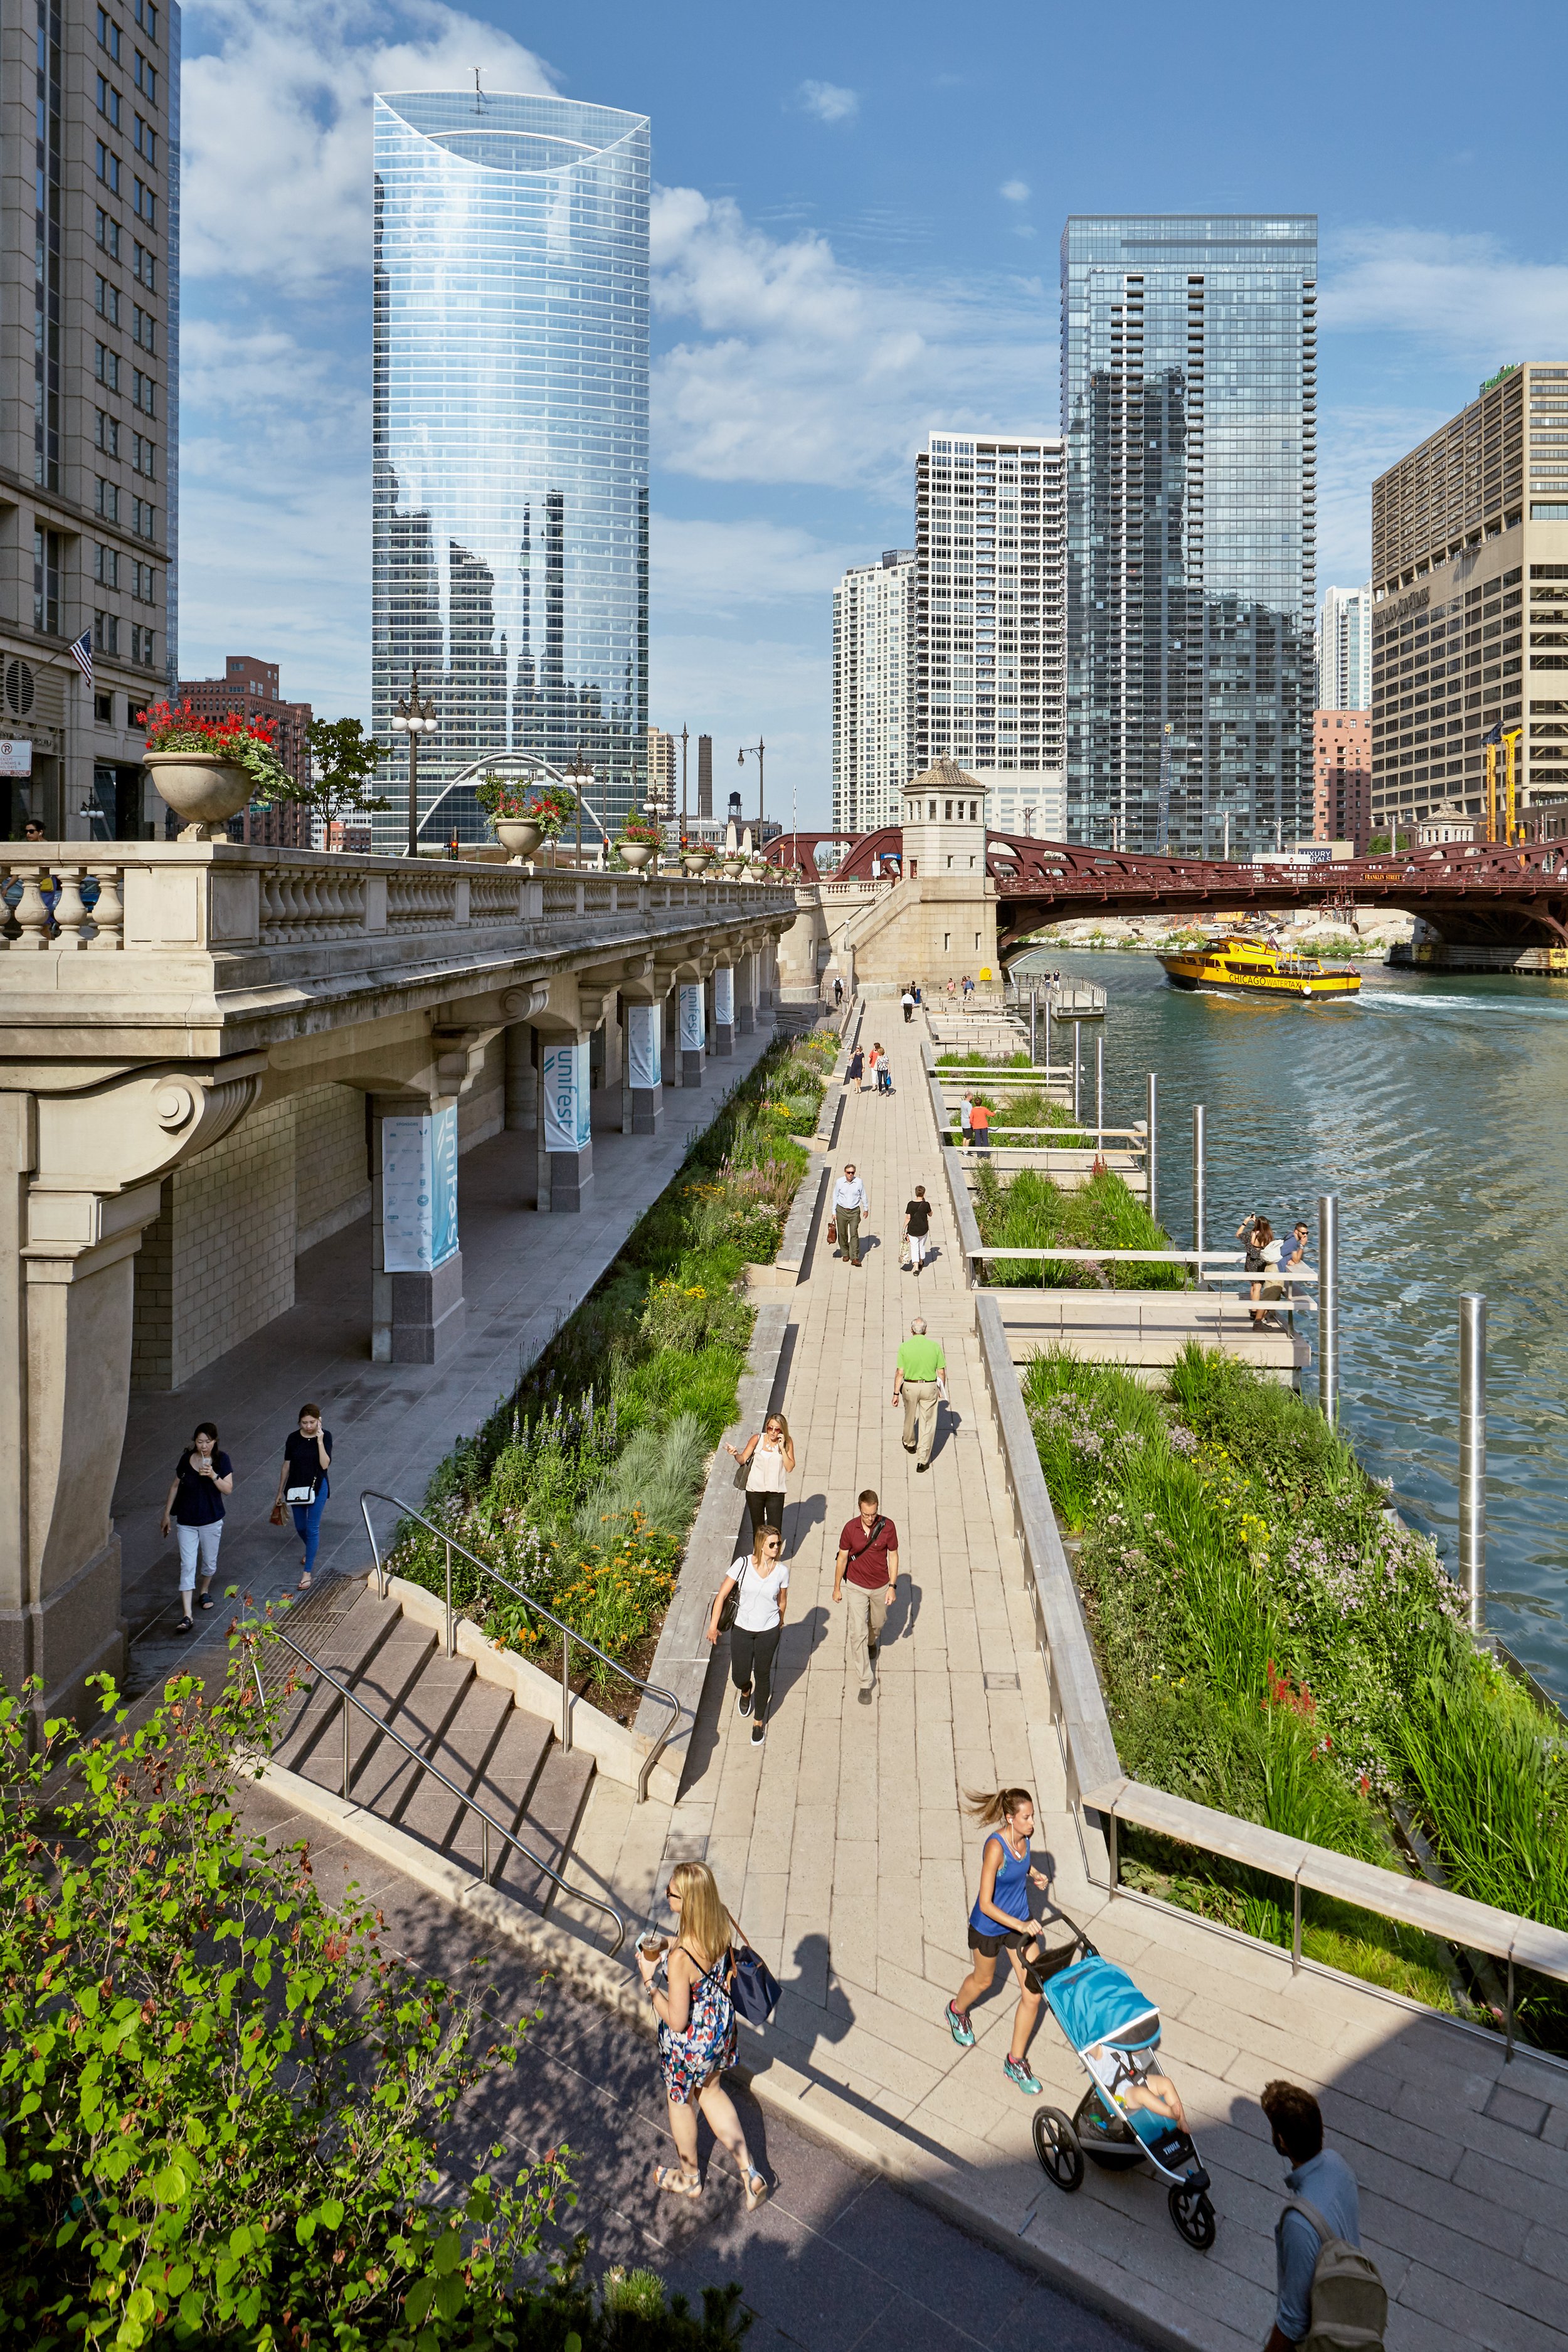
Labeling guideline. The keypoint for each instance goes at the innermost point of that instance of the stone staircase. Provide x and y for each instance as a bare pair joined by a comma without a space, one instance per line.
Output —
493,1749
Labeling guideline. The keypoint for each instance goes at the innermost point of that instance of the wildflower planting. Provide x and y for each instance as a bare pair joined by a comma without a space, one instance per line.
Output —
1274,1642
1029,1211
582,1485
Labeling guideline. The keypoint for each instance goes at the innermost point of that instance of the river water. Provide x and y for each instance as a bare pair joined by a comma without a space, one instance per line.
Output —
1435,1108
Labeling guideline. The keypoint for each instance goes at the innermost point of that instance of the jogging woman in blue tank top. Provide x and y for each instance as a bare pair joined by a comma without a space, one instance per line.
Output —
1000,1920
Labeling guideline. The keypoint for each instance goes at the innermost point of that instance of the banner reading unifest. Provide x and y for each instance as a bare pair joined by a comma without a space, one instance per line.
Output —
563,1075
419,1191
724,996
644,1023
693,1027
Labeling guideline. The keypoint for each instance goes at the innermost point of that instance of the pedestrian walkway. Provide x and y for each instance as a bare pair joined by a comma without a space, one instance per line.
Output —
841,1845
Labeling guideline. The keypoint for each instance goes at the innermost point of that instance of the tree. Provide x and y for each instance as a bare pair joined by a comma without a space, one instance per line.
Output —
343,761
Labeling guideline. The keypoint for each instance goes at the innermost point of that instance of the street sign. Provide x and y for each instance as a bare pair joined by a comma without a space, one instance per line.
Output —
16,756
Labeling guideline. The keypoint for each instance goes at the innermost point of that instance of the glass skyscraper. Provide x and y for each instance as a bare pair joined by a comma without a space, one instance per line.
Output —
1189,405
509,430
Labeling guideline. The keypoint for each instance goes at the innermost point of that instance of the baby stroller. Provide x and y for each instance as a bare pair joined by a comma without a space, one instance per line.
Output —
1124,2117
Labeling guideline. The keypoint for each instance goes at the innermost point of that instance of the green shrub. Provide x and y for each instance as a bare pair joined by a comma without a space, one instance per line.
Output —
1028,1211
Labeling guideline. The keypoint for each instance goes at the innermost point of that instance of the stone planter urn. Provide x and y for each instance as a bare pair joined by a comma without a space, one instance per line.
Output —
201,788
697,862
519,836
732,868
635,854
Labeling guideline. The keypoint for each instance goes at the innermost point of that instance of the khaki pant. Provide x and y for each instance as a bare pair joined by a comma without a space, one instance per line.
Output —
868,1607
920,1410
847,1223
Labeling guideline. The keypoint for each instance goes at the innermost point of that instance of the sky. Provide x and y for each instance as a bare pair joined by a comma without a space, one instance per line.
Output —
855,235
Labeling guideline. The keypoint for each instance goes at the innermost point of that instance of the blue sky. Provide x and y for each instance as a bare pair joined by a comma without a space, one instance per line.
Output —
856,239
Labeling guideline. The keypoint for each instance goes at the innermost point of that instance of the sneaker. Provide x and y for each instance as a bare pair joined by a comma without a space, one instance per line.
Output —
758,1734
743,1703
960,2028
1017,2072
864,1693
870,1649
920,1466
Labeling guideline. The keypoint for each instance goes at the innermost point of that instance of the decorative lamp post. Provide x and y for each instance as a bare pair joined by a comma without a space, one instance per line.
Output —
754,752
415,717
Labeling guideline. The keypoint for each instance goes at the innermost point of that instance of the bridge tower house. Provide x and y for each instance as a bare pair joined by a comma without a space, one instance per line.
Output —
949,925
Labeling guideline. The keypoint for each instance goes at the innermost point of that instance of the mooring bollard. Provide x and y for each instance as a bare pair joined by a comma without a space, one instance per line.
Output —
1152,1154
1473,1455
1198,1202
1328,1305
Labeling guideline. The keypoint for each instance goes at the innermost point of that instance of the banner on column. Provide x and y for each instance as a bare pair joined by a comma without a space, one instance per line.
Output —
563,1075
724,996
419,1191
644,1023
693,1026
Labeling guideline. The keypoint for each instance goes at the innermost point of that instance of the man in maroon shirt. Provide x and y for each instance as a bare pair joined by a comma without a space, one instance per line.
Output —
869,1552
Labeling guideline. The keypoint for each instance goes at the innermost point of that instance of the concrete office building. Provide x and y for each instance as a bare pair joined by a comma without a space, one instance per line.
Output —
1470,606
664,772
990,548
705,775
1342,777
1189,403
90,269
1344,649
251,688
874,665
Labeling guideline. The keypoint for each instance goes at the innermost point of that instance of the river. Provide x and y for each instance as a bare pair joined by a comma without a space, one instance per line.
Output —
1434,1107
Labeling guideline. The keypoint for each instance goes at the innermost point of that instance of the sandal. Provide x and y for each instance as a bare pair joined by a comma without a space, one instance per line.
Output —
677,2181
756,2191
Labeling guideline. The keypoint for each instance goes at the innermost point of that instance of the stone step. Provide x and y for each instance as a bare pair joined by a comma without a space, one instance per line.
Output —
382,1685
436,1697
347,1650
503,1787
549,1824
429,1810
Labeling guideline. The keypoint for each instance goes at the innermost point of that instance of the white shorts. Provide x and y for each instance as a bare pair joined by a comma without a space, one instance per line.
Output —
198,1543
919,1245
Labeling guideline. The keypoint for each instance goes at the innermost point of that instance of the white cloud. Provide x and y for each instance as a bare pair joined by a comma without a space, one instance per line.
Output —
828,101
1467,294
275,137
804,370
1016,192
709,568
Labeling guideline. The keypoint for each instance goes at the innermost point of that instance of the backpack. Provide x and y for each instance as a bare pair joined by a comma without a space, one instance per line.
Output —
1350,2303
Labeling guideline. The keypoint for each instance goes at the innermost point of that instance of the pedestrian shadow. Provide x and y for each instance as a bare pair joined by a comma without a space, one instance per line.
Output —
799,1639
903,1611
949,1422
800,1517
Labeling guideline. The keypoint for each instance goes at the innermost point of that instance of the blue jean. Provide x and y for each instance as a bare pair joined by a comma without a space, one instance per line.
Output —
308,1523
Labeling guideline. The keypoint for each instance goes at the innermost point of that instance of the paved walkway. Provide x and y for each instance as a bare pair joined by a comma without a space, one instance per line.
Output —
842,1846
391,1424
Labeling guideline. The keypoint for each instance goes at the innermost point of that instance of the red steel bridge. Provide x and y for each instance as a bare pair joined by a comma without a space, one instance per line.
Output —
1485,896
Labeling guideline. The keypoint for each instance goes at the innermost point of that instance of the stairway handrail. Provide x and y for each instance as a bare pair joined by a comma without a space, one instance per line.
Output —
428,1765
568,1634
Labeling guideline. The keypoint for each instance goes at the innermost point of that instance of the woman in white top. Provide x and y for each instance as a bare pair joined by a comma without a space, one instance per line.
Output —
771,1454
763,1582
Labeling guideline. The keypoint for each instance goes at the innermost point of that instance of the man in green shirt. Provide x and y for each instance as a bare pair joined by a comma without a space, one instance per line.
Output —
919,1380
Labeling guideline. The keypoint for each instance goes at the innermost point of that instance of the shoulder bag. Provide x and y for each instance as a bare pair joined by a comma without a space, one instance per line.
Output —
877,1524
732,1601
753,1987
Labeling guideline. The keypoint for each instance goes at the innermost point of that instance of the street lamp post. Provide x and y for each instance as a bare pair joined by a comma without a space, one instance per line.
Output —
683,743
580,775
754,752
415,717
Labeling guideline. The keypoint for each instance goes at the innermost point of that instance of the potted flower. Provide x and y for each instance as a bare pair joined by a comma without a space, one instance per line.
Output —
638,841
731,864
697,856
522,818
207,770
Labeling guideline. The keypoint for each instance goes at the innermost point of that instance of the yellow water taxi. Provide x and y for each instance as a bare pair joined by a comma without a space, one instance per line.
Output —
1249,968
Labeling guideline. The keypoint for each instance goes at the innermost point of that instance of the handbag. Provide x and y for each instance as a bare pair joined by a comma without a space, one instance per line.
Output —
753,1987
301,1496
730,1603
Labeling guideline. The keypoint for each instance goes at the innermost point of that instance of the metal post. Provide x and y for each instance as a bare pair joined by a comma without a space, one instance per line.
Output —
1077,1029
1113,1866
1199,1219
414,789
451,1634
1034,1024
1473,1455
1152,1156
1328,1305
1098,1090
1296,1928
485,1846
345,1748
566,1690
1048,1034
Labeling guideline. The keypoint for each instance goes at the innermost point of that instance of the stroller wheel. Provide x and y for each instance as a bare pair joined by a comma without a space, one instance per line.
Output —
1193,2215
1056,2145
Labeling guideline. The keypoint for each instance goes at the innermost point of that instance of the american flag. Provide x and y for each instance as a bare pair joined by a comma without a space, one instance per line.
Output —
82,654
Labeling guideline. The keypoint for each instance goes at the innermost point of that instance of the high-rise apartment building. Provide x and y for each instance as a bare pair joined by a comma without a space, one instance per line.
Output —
1342,777
509,440
874,645
251,688
705,775
1469,576
1344,649
90,265
990,544
1189,404
663,777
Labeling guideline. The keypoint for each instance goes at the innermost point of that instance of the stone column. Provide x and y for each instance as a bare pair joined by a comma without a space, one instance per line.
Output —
418,1314
566,1169
746,994
723,1009
521,1077
693,1029
644,1066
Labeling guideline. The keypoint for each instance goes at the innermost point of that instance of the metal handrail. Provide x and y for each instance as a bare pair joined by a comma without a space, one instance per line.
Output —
649,1690
487,1821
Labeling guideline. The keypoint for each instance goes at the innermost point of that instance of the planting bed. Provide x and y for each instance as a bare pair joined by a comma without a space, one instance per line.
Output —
1274,1642
582,1485
1029,1211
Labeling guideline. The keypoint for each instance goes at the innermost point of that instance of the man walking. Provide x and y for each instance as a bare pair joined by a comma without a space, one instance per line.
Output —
869,1551
919,1380
1322,2181
908,1005
837,994
850,1200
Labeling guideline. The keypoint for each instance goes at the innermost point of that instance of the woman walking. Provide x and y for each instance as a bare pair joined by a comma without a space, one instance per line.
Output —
762,1581
770,1455
1000,1921
696,2030
855,1069
202,1478
303,1482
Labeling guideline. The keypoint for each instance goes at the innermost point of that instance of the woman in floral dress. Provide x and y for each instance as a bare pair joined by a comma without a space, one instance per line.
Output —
696,2030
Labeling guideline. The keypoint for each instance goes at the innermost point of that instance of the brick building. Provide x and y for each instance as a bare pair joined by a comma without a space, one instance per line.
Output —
250,686
1342,777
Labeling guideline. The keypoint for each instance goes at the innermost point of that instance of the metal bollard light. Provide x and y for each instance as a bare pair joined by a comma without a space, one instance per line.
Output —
1152,1156
1034,1024
1473,1455
1328,1305
1098,1090
1199,1218
1047,1032
1077,1068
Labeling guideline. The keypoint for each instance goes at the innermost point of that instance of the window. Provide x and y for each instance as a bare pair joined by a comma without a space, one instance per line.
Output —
108,234
109,101
145,140
145,270
106,301
142,645
109,167
108,35
144,456
144,202
106,366
105,566
144,519
141,328
143,583
103,709
106,500
47,581
105,634
106,434
143,392
147,17
146,79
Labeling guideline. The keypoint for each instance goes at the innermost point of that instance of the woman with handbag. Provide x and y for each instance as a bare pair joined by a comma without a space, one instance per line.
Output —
750,1607
303,1482
696,2017
765,1459
204,1476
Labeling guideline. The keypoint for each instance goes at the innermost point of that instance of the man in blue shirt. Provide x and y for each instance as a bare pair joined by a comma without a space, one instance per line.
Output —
1324,2179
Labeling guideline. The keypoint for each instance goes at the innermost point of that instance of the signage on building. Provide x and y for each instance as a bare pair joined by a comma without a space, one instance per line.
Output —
563,1075
419,1191
644,1023
16,756
693,1017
